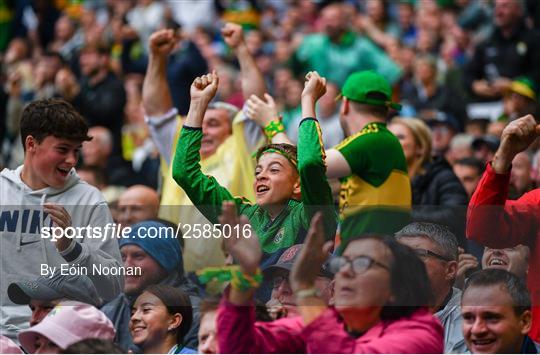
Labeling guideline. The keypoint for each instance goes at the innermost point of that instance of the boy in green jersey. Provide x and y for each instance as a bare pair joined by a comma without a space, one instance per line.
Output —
289,186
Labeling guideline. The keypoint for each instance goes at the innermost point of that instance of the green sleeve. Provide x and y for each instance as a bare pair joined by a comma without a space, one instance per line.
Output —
204,191
316,191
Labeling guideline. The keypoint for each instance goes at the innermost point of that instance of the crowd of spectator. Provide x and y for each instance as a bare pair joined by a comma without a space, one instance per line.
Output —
379,161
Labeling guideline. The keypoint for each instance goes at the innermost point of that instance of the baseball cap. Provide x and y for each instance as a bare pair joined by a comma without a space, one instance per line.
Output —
444,118
73,287
7,346
360,87
524,86
492,142
286,262
68,323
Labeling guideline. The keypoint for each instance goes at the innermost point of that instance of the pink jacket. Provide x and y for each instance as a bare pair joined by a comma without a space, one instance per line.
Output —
239,333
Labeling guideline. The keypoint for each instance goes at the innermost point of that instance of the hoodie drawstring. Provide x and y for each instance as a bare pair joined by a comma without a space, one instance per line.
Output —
41,225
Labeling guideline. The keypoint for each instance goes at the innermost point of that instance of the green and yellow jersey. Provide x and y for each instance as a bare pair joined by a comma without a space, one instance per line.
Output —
376,197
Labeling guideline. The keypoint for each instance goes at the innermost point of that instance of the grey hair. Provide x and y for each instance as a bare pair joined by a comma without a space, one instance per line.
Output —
445,240
232,110
515,287
461,140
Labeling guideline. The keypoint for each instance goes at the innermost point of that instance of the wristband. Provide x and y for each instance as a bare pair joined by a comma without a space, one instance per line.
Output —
273,128
238,279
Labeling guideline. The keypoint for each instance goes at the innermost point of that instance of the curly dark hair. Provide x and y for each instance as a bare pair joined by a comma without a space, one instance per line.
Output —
53,117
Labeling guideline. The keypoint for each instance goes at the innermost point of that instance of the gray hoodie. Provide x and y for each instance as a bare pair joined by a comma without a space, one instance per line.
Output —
23,251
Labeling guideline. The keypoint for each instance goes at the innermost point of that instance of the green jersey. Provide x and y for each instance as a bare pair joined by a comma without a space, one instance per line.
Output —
376,197
291,225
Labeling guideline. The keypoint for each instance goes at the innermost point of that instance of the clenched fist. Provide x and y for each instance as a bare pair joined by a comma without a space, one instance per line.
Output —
232,34
516,137
204,87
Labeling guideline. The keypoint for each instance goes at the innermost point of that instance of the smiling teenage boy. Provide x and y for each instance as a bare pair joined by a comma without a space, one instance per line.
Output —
289,187
46,192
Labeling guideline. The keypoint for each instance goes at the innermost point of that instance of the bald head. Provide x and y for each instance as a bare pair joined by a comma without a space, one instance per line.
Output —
96,152
138,203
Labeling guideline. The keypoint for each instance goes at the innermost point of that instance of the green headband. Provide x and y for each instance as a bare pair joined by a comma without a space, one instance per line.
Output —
287,156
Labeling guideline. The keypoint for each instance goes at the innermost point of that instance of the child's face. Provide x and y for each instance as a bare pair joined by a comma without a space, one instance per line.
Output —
276,180
52,160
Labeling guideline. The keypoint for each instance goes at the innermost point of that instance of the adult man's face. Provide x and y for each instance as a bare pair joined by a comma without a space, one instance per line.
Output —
441,273
137,204
96,152
490,324
507,13
469,177
216,127
333,21
441,137
91,62
282,293
151,272
40,309
514,260
520,175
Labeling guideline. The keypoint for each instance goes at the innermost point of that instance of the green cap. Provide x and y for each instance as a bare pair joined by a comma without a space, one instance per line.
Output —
524,86
359,85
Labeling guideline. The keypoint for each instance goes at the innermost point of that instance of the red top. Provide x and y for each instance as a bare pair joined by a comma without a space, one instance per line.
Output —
518,222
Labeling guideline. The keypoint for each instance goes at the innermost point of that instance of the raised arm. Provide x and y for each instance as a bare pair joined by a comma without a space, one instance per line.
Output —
316,191
487,221
160,114
204,191
238,330
252,78
156,95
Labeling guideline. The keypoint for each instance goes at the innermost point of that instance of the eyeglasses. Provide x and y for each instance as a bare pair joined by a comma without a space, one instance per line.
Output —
359,265
424,253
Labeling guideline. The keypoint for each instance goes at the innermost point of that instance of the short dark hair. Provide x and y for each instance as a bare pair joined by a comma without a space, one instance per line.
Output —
288,150
408,279
473,163
93,346
176,301
514,285
53,117
380,112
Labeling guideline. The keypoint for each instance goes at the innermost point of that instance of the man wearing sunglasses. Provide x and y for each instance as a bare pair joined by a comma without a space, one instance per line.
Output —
438,249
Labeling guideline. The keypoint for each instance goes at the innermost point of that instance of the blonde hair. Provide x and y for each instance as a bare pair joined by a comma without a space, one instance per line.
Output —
422,138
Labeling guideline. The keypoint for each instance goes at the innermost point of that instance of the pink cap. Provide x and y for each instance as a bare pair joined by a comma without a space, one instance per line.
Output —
7,346
68,323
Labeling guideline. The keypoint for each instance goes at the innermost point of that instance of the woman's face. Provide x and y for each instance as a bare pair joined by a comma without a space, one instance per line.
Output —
366,291
150,320
406,139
